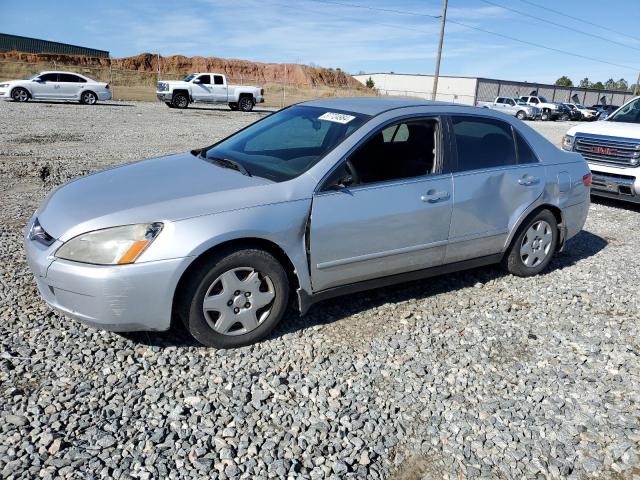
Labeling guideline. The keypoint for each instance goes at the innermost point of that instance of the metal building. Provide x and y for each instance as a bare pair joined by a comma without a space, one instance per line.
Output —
470,90
16,43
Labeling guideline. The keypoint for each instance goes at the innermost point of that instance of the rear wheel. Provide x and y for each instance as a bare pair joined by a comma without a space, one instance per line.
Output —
534,245
521,115
245,104
88,98
235,298
20,95
180,100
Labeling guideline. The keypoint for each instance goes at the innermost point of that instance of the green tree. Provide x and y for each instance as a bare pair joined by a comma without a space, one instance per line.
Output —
610,84
597,86
584,83
564,81
370,83
622,85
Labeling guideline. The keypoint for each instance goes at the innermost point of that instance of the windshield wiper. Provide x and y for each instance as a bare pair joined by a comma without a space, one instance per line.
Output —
227,163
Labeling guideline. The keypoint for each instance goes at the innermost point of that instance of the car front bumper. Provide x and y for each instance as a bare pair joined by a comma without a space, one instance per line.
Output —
118,298
615,182
164,96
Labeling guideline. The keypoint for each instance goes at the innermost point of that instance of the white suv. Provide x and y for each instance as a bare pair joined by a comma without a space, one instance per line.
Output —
612,149
55,86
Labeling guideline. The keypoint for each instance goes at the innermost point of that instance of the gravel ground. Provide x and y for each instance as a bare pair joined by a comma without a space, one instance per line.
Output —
476,374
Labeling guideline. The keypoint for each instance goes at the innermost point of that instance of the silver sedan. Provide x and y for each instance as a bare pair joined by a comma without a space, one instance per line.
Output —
317,200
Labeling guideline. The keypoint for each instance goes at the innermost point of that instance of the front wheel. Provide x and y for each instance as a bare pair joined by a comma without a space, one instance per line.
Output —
235,298
545,116
20,95
88,98
532,248
521,115
245,104
180,100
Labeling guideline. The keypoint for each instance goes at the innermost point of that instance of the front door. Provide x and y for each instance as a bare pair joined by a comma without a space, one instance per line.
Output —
47,86
497,178
391,215
201,90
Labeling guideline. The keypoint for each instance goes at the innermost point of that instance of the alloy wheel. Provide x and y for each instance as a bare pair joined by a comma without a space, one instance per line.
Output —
238,301
536,244
88,98
20,95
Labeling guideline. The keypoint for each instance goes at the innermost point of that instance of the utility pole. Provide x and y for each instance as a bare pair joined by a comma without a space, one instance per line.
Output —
443,20
636,91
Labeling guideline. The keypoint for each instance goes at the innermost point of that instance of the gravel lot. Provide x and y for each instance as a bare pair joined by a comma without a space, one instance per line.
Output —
467,375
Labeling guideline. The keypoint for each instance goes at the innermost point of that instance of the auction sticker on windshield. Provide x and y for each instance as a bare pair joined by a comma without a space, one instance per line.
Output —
336,117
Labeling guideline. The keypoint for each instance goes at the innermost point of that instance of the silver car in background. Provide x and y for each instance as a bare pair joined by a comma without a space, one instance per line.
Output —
56,86
319,199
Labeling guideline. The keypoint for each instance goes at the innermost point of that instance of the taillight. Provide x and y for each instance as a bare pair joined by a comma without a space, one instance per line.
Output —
586,179
262,92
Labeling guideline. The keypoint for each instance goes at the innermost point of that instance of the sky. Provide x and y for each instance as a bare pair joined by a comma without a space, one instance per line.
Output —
334,34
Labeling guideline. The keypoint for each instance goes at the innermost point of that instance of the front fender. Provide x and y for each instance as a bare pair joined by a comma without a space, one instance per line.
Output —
283,224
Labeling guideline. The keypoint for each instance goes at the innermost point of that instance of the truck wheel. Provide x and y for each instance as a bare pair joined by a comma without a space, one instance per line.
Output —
545,116
246,104
180,100
521,115
233,106
169,104
234,298
533,246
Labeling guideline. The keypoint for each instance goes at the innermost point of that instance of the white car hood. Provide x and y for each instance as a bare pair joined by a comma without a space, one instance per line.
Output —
610,129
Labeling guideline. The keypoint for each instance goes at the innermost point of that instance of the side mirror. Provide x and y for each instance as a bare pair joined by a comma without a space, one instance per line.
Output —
197,80
38,80
344,181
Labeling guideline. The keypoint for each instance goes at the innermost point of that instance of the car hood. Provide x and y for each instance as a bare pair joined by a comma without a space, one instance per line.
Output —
610,129
161,189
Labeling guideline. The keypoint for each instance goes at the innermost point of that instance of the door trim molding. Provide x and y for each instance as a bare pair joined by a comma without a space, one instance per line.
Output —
376,255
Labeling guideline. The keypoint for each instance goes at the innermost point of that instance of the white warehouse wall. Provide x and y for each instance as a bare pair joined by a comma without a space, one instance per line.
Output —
450,89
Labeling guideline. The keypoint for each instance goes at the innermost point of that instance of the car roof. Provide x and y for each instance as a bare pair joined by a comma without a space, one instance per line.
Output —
371,105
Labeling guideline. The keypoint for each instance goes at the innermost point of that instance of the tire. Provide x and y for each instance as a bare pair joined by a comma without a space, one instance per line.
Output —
257,299
533,246
180,100
20,95
169,104
565,117
245,104
233,106
545,116
88,98
521,115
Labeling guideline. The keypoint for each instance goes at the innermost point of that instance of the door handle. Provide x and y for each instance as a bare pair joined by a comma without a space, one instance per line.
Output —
433,197
528,180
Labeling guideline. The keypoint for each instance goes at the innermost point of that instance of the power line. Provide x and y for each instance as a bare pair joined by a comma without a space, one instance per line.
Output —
593,24
560,25
479,29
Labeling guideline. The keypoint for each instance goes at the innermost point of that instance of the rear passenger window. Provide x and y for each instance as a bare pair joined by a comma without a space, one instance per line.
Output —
69,78
217,80
525,154
483,143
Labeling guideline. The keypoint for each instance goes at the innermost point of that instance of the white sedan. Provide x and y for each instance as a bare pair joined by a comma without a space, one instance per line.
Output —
56,86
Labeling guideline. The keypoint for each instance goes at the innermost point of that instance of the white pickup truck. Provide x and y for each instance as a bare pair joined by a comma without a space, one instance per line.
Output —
512,106
612,149
549,110
208,88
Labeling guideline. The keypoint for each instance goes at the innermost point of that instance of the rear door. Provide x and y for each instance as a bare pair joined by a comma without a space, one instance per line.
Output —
496,178
393,218
70,85
219,89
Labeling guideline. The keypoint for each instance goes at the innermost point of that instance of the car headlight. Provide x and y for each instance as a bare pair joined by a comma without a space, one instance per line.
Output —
567,142
4,85
110,246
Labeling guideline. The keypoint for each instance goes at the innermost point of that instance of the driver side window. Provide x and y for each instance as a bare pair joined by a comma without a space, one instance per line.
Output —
402,150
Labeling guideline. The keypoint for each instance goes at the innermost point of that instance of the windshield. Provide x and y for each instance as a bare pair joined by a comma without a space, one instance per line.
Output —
189,77
630,113
543,100
33,76
519,101
288,143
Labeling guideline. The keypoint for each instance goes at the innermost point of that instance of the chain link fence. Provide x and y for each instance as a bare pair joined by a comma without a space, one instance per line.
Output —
141,85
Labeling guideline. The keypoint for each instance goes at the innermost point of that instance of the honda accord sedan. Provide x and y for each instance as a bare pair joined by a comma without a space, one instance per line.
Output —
317,200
